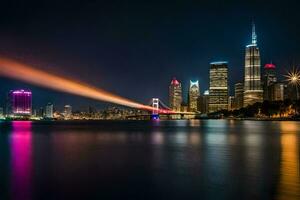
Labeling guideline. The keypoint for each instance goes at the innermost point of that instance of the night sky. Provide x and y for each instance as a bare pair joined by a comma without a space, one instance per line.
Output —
134,48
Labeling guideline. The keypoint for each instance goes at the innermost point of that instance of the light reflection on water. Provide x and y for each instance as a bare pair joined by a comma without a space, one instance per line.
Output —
289,182
21,160
210,159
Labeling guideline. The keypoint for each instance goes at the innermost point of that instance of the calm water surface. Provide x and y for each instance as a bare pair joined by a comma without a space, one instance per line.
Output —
210,159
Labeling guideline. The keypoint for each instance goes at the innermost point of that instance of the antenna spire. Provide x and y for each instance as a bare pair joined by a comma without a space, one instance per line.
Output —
254,40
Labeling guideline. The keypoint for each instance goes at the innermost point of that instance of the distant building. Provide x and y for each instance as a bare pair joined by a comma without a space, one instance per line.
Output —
40,112
238,95
19,103
1,112
290,92
193,95
68,111
269,78
184,107
218,86
175,95
231,103
276,92
49,111
203,102
34,113
252,84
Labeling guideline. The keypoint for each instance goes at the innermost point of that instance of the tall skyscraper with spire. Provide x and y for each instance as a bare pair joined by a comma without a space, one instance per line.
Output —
252,81
194,93
175,95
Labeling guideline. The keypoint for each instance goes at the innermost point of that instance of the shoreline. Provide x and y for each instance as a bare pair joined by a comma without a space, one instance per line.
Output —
207,118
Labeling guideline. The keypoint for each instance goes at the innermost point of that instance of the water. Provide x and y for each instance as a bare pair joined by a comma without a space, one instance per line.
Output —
210,159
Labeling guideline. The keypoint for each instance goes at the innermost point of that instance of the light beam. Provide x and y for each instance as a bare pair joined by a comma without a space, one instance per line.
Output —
19,71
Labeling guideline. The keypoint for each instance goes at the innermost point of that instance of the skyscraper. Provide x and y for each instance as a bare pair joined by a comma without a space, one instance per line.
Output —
203,102
231,105
218,86
252,84
276,92
238,95
193,95
269,78
49,111
175,95
19,102
68,111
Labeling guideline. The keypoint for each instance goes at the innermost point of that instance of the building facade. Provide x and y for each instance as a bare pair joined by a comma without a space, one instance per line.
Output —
49,111
68,111
203,102
194,93
231,103
269,78
218,86
175,95
238,95
276,92
19,103
252,80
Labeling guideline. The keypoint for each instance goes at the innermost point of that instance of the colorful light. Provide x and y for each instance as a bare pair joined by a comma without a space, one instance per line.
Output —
174,81
269,66
21,101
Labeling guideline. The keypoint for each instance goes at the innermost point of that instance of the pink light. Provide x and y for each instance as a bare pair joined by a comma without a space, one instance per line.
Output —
21,159
270,66
174,81
21,92
21,112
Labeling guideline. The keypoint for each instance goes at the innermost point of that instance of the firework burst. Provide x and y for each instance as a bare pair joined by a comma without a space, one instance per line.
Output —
293,76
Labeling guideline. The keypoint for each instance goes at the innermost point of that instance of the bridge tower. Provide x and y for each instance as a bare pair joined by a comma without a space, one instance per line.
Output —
155,106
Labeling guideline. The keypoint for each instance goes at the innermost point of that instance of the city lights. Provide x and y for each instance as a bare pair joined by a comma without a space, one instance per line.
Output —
293,77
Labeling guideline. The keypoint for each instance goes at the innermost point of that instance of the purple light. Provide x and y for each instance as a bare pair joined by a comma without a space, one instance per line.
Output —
21,102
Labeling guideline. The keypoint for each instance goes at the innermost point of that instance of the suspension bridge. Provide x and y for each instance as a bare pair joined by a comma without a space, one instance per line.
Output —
159,109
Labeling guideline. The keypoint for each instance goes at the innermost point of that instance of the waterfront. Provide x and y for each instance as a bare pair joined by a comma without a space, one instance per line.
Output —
208,159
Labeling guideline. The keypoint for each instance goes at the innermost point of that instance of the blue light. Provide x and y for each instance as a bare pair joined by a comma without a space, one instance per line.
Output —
219,63
154,117
251,45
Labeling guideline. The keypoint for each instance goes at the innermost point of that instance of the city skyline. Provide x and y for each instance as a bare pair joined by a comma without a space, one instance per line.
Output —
255,80
149,100
126,49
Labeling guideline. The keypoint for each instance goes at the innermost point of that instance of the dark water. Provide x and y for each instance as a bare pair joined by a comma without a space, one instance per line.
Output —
212,159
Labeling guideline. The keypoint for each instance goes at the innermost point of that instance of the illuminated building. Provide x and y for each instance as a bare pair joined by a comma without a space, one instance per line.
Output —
218,86
276,92
184,107
49,111
252,84
238,95
231,105
193,95
203,101
68,111
19,102
269,78
175,95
